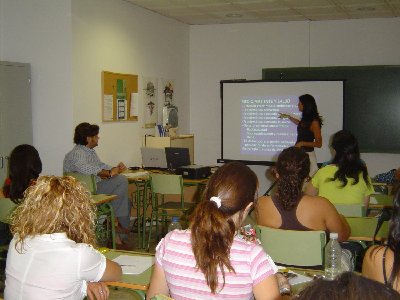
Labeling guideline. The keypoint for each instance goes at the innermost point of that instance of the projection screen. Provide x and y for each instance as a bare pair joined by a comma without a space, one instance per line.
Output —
250,128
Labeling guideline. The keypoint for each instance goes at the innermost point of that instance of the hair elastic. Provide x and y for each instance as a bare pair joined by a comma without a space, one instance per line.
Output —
216,200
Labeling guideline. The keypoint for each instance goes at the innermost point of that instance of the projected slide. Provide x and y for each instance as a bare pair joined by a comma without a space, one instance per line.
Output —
261,131
251,127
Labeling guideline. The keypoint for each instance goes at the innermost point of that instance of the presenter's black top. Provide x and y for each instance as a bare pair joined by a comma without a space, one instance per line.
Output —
304,134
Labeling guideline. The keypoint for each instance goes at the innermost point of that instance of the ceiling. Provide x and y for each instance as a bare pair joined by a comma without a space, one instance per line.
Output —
202,12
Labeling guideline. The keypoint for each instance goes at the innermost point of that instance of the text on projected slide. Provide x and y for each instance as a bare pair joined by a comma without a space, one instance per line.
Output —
261,130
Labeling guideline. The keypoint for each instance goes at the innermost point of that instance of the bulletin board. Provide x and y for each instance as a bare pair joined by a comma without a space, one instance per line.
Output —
119,97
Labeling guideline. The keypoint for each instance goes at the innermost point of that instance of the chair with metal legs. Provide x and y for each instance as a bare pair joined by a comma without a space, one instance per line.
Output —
105,223
161,185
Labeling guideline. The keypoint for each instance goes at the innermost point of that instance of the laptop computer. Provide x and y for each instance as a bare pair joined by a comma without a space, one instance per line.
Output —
177,157
153,158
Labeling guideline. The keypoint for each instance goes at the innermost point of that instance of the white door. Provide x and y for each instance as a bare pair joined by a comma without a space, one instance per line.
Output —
15,111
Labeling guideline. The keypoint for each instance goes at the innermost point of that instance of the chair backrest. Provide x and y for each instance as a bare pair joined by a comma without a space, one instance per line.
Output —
363,228
6,208
166,184
88,180
351,210
291,247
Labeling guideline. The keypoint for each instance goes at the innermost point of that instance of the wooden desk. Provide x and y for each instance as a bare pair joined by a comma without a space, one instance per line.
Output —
141,281
297,288
103,198
380,201
142,176
138,282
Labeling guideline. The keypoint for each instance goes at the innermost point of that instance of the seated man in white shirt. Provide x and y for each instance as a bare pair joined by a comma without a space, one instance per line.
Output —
83,159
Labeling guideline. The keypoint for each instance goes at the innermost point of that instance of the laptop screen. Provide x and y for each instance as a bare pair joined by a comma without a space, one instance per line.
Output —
177,157
153,158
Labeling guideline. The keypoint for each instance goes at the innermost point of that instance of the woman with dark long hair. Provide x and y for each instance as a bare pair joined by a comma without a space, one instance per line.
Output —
25,166
382,263
289,208
308,128
349,286
209,260
345,180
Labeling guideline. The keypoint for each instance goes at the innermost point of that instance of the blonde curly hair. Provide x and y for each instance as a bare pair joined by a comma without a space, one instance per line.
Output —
55,204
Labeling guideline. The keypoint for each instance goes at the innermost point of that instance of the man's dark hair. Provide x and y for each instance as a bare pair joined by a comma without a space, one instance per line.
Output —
83,131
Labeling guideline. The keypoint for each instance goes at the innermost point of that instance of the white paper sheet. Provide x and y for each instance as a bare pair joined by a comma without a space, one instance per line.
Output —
134,109
373,200
108,107
136,174
298,279
134,264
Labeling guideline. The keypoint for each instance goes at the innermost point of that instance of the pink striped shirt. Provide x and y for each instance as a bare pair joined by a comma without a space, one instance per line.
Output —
175,256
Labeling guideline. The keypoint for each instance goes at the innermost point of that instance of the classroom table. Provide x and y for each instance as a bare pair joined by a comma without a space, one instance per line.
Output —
297,288
141,179
103,198
380,201
140,282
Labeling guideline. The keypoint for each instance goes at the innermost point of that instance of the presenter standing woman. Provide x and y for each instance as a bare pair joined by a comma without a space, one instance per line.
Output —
308,128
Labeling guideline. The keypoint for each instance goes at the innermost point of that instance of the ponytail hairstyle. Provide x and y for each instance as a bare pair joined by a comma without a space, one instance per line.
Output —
310,111
394,239
212,228
347,158
293,167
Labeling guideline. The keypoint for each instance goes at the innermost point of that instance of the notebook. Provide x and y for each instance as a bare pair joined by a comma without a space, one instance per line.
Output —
153,158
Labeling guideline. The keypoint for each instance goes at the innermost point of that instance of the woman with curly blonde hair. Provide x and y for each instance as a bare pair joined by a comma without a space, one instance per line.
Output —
289,208
51,255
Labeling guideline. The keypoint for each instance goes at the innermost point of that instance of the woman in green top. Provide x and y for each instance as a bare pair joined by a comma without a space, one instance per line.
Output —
346,179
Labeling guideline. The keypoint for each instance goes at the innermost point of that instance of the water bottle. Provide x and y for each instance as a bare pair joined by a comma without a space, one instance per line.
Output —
175,224
333,253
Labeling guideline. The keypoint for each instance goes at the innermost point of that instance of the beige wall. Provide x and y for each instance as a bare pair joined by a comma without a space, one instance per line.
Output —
219,52
119,37
39,32
68,43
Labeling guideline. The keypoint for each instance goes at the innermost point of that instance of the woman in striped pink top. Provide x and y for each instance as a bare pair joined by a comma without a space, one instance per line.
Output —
209,261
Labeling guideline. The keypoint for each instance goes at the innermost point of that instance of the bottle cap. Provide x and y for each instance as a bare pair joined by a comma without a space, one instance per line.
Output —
333,235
